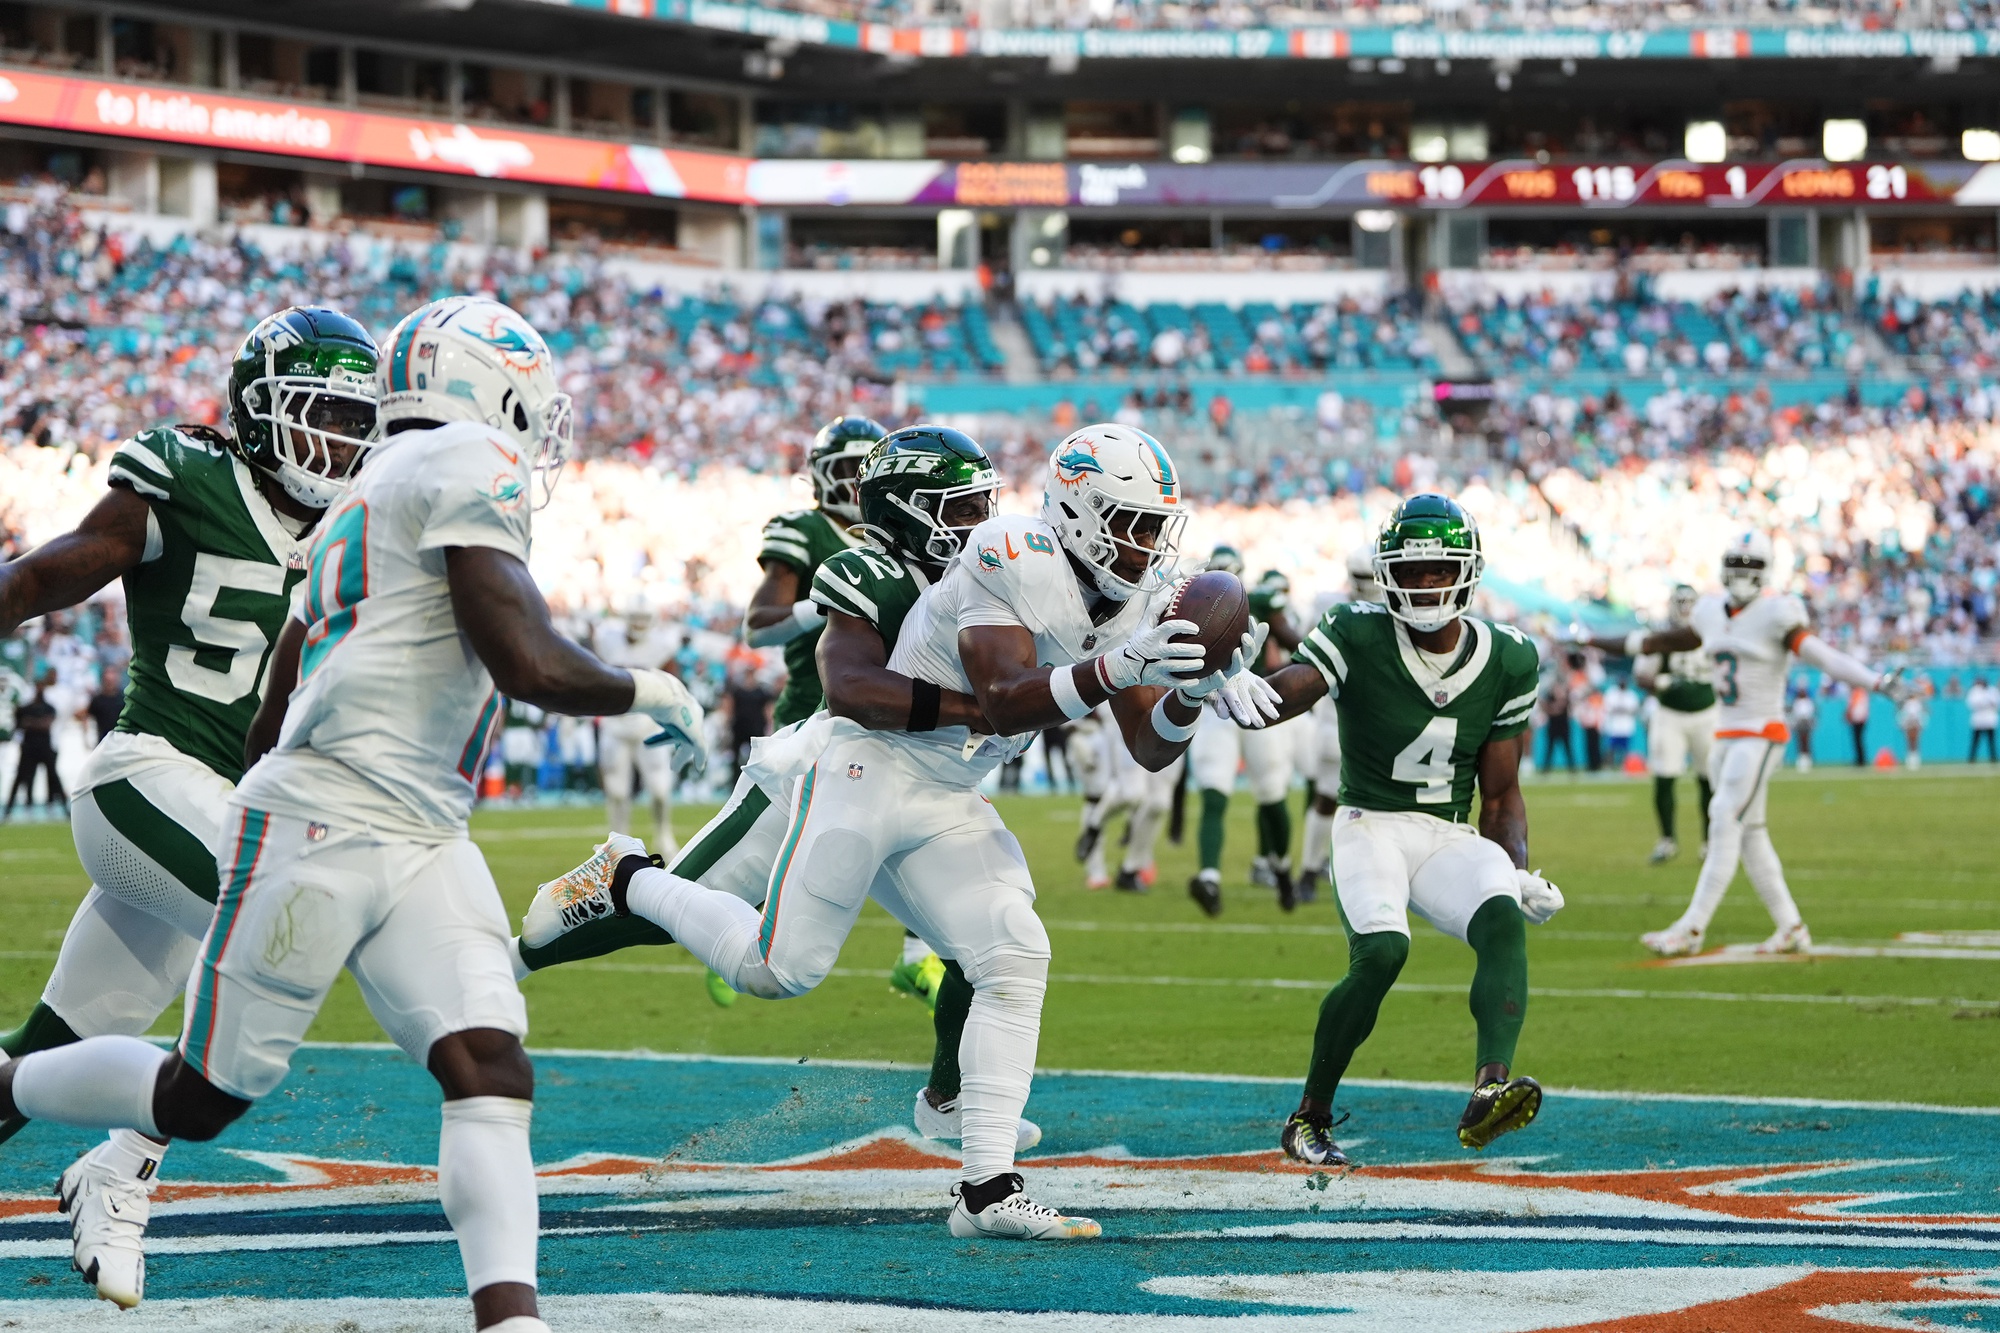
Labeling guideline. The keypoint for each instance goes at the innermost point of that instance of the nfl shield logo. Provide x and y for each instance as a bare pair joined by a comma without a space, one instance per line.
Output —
315,832
1089,642
1441,698
853,772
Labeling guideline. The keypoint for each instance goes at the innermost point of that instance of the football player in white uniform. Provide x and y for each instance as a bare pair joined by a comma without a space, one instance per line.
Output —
1090,754
1682,722
1017,623
1750,634
346,845
637,640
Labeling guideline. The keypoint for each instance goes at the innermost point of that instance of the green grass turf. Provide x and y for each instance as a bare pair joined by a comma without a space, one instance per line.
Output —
1868,856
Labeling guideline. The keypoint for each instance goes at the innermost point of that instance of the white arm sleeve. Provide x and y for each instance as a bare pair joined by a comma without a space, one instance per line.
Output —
1817,652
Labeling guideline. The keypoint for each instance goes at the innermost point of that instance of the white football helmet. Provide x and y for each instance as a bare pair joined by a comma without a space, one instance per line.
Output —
1680,604
1746,567
1113,492
470,358
1361,574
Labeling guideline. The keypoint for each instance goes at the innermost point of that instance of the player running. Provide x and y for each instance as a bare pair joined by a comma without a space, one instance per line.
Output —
1429,698
899,814
1750,634
1682,725
208,533
346,844
1267,755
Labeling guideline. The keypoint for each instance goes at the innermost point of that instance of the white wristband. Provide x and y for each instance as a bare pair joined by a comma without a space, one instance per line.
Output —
1168,728
1062,684
1634,642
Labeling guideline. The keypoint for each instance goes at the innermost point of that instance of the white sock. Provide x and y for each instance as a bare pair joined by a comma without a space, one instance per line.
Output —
1767,876
914,949
1319,841
1146,821
486,1181
131,1154
97,1083
521,970
997,1055
520,1323
719,929
1718,868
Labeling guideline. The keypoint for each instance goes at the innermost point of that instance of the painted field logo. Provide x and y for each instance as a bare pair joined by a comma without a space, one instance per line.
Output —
686,1190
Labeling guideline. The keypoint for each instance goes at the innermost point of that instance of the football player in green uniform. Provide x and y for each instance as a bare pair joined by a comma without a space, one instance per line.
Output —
208,533
1268,757
1429,699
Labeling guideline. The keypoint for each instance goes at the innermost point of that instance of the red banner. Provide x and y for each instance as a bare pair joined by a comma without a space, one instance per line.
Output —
334,134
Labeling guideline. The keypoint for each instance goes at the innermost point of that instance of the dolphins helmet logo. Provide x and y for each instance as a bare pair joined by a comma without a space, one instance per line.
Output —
1075,463
517,344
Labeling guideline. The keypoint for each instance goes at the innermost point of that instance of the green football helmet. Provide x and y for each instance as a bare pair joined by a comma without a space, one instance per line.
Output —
908,482
835,463
1429,530
302,398
1274,581
1227,559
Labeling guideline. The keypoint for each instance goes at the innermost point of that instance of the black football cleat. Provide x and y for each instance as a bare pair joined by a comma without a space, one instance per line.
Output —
1288,894
1207,894
1086,842
1499,1108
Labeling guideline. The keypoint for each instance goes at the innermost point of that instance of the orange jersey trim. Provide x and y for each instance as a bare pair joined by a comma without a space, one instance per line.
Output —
1775,732
1793,639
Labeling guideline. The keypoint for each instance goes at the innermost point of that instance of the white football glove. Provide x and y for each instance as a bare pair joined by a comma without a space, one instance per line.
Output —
1239,662
1246,699
1540,899
1157,655
664,698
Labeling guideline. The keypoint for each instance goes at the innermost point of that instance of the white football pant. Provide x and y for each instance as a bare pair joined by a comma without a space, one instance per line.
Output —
1387,864
1680,743
622,753
1740,769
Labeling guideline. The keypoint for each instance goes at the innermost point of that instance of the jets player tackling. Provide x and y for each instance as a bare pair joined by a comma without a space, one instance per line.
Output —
1750,634
346,843
1429,698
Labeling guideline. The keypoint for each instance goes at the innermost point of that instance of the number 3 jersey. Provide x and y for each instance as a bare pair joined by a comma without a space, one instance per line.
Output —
207,599
1412,723
1750,649
392,711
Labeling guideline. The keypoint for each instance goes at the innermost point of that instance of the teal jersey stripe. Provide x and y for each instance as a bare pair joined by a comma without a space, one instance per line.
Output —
399,361
475,746
201,1024
784,865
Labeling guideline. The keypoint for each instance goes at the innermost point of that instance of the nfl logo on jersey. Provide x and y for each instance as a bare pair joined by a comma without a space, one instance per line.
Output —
853,772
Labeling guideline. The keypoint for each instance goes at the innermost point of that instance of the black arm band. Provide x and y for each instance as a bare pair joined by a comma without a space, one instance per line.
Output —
924,700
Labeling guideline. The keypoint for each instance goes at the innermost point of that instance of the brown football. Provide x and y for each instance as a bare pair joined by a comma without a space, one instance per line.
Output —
1216,603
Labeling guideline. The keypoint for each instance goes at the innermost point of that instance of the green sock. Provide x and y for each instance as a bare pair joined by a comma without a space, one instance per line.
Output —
1707,794
1347,1015
1498,935
594,939
1208,842
42,1030
1274,831
953,1006
1663,805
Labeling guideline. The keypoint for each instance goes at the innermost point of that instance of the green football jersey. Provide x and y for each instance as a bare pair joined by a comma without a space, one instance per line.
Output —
803,540
1409,732
870,583
207,601
1684,682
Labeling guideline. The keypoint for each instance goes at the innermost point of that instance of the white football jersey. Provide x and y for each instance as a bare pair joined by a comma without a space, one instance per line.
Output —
393,708
1012,572
1750,650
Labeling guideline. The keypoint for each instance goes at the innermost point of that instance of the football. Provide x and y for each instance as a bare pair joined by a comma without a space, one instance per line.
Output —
1220,609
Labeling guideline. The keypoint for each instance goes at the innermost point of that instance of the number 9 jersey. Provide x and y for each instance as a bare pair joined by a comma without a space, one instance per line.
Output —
1751,648
1412,723
392,711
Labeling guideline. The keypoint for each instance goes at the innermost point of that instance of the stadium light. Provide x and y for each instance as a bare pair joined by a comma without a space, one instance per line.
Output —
1429,142
1375,219
1844,140
1981,145
1706,141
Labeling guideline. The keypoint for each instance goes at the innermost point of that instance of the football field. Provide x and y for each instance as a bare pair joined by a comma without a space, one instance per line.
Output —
727,1159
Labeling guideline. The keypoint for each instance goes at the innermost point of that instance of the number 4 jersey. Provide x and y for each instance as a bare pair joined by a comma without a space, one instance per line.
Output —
392,711
1411,723
208,597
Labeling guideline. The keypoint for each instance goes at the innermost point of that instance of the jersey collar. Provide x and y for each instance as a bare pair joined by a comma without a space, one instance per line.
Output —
282,543
1440,690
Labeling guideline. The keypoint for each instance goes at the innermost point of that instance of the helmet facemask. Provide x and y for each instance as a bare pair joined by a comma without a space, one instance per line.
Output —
322,427
836,481
927,509
1680,605
1122,531
1436,606
1744,576
551,439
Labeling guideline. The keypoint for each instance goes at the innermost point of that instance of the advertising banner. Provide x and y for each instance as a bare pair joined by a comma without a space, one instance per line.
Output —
336,134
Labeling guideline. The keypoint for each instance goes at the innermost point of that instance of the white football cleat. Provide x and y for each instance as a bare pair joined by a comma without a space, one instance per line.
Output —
108,1194
1676,941
1794,938
1664,850
1017,1217
1261,873
581,895
942,1122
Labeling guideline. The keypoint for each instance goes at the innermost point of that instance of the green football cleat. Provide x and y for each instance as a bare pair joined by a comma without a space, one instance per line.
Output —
718,989
919,980
1499,1108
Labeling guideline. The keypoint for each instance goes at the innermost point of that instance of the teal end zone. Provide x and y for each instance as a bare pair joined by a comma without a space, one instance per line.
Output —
735,1179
